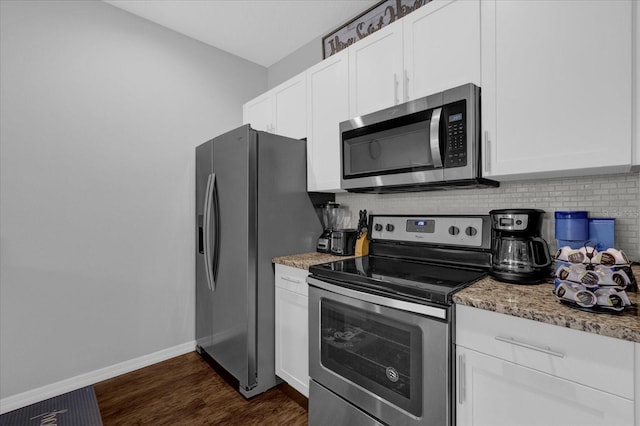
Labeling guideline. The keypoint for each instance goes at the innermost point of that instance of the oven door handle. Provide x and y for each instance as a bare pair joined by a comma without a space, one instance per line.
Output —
388,302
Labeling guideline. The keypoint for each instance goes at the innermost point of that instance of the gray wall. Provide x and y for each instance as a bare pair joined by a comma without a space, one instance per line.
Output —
616,196
100,115
295,63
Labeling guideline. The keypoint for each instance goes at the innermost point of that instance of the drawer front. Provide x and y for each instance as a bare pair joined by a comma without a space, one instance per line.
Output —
598,361
497,392
292,279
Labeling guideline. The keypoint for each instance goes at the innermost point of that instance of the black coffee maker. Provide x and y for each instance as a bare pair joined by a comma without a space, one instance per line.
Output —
519,254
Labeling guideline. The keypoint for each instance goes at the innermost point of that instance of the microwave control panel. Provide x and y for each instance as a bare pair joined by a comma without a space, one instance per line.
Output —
455,134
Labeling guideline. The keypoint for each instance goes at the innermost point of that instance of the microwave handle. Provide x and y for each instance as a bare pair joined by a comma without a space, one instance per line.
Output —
434,138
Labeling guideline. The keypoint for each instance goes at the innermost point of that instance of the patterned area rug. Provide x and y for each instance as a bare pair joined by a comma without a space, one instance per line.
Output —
77,408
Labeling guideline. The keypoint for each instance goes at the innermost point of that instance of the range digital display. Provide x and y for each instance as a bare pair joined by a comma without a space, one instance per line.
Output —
421,225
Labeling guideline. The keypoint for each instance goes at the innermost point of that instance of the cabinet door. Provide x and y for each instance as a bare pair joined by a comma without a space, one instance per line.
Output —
496,392
556,80
376,71
441,47
292,339
258,113
328,105
290,100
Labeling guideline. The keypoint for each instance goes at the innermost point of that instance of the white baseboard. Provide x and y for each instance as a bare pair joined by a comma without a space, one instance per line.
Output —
40,394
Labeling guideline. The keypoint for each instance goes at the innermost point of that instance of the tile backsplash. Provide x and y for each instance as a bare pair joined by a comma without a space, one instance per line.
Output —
616,196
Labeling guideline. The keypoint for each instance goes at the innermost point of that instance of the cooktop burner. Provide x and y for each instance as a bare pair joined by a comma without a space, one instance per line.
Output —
395,277
420,258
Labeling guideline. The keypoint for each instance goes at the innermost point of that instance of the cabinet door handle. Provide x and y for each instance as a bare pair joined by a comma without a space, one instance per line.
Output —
487,152
395,89
291,280
462,372
545,350
406,85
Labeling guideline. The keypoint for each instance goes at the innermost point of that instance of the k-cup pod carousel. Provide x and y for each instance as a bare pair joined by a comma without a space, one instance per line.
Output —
594,281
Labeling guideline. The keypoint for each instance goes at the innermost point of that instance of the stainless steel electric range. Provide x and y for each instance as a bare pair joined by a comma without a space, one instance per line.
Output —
381,343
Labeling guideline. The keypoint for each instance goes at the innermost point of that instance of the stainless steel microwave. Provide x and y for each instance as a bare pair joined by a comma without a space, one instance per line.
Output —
426,144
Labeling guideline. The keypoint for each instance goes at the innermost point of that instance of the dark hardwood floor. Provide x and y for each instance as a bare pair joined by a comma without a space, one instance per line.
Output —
186,391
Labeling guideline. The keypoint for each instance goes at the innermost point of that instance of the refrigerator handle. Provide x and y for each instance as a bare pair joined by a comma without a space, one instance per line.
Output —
216,252
207,230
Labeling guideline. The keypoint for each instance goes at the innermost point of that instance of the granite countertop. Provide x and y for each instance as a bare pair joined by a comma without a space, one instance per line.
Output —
535,302
306,260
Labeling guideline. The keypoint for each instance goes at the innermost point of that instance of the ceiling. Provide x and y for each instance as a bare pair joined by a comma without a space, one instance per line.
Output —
261,31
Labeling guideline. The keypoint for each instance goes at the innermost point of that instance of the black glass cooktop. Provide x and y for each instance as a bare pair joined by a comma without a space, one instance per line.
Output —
404,279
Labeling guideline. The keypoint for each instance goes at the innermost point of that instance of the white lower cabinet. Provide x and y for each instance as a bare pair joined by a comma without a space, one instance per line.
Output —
496,392
513,371
292,334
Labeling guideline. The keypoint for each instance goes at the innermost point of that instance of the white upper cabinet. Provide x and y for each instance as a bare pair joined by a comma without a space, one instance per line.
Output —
434,48
327,106
281,110
290,113
441,47
376,74
556,87
259,112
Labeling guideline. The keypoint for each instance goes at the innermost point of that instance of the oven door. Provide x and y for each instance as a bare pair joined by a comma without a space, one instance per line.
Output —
389,358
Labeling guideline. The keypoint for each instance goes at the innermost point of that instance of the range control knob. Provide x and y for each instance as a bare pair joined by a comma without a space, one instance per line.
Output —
390,227
454,230
471,231
378,227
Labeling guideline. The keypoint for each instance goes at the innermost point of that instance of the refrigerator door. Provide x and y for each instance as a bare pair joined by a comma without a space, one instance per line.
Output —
204,295
252,206
233,343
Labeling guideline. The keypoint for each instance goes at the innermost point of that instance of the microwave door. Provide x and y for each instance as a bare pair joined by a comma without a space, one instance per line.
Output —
403,152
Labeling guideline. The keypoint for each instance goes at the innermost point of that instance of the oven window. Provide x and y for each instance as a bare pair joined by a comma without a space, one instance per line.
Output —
376,352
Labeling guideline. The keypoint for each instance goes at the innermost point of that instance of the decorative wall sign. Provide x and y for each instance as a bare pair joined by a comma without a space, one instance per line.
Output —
368,22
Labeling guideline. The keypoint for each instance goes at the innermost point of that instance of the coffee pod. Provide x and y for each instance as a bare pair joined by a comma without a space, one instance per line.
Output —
571,255
574,293
624,296
556,283
578,274
563,271
616,291
612,257
589,279
576,256
563,253
612,277
609,300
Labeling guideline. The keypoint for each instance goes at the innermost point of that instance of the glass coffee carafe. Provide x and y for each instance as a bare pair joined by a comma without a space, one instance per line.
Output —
520,255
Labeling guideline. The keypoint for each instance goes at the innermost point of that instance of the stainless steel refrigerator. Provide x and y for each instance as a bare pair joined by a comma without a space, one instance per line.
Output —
251,205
